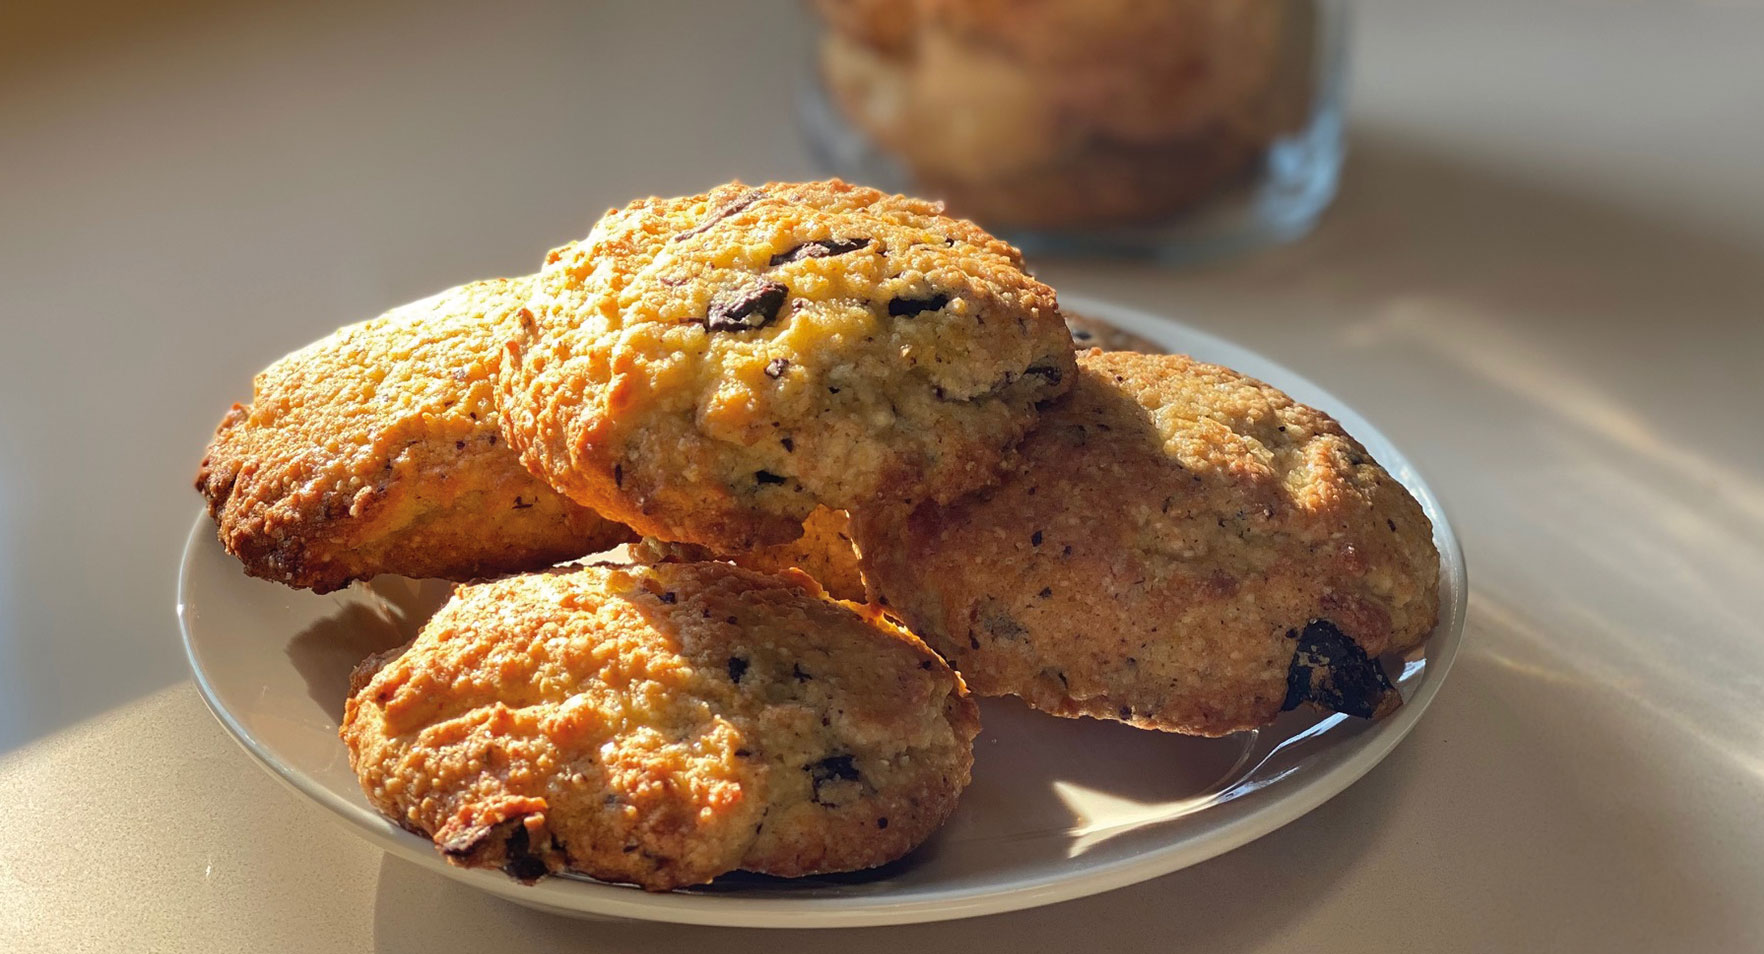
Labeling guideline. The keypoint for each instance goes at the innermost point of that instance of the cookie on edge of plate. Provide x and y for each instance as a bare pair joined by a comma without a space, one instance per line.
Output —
661,725
711,369
1179,547
376,450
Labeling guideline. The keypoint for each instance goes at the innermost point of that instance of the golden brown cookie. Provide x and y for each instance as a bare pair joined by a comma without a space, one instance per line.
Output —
1180,547
713,368
662,725
824,552
376,450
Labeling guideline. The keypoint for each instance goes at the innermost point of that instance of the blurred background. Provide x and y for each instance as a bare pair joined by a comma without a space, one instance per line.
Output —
1166,129
1542,275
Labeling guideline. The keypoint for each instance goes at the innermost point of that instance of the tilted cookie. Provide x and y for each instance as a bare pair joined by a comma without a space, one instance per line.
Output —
376,450
1179,547
825,550
713,368
661,725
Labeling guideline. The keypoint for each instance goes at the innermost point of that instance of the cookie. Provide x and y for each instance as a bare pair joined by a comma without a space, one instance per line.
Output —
1180,547
661,725
711,369
376,450
952,111
824,552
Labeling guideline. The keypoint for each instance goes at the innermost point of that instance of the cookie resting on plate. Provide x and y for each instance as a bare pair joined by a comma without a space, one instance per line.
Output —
661,725
711,369
376,450
825,550
1179,547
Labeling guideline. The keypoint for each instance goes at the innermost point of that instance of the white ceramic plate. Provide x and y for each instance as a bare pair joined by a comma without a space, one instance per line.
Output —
1058,808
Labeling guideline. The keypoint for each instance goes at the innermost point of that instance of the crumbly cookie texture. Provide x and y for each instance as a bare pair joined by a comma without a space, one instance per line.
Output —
376,450
711,369
824,551
1179,547
661,725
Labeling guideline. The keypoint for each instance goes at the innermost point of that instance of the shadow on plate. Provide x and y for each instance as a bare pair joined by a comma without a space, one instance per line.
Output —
1385,865
373,617
1223,904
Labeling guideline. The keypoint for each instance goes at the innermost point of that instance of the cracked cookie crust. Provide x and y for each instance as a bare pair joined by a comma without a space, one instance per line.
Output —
661,725
711,369
376,450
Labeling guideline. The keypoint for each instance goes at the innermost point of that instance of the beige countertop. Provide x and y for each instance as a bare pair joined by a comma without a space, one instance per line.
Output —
1544,280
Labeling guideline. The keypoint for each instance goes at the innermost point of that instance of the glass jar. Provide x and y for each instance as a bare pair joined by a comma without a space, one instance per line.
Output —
1179,129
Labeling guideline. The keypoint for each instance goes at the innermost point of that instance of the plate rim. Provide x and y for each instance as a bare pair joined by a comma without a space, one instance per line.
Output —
1048,887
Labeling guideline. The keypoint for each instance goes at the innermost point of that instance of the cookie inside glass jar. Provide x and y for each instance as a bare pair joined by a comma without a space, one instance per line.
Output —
1066,116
